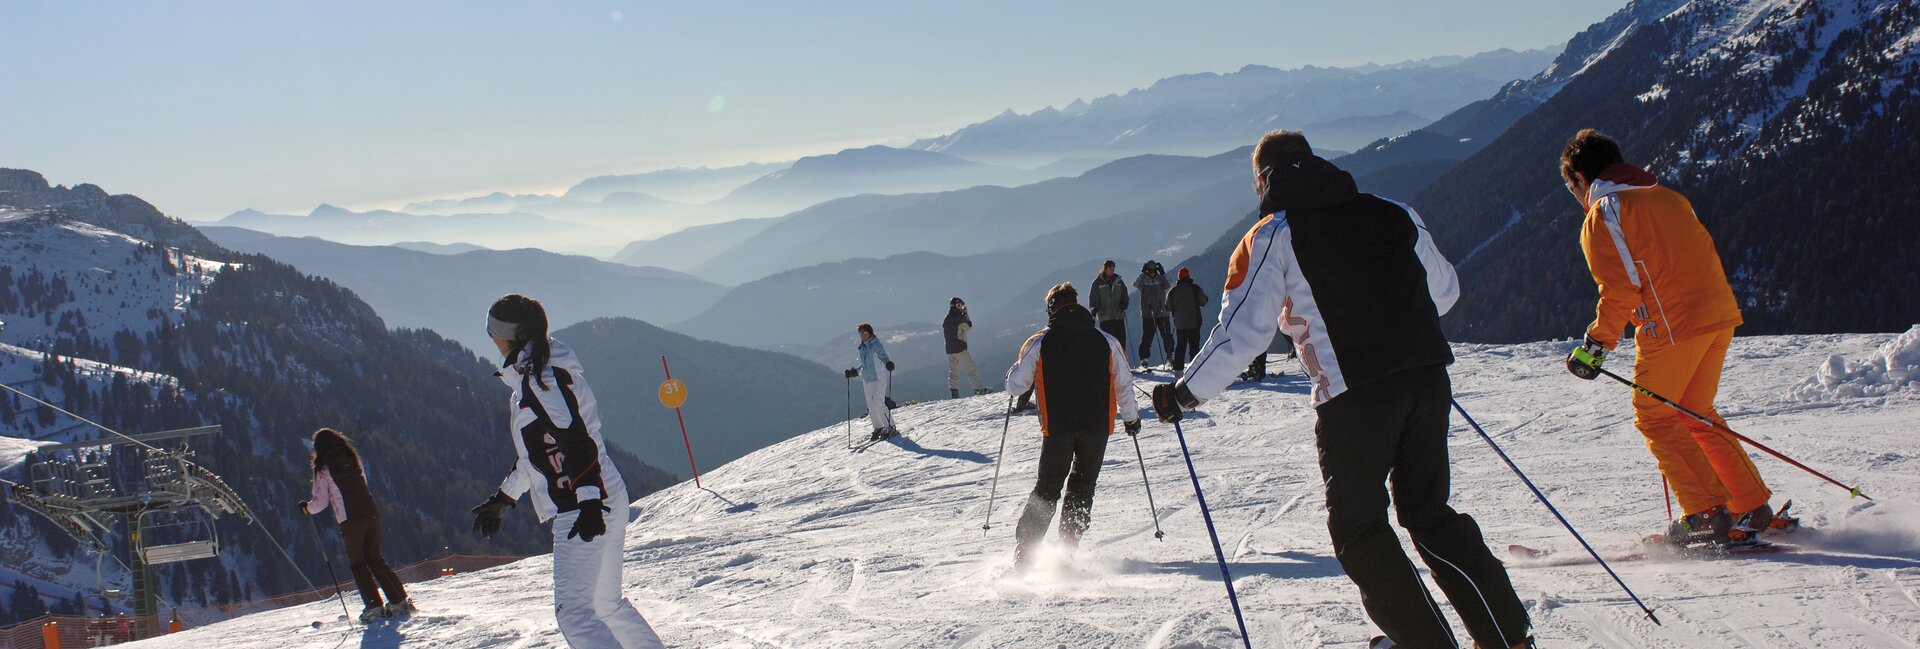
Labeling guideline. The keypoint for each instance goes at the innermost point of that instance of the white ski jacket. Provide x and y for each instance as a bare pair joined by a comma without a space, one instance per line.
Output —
556,434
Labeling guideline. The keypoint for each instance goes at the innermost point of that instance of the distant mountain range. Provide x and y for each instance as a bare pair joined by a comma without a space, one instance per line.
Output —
978,244
445,292
1206,113
383,227
975,220
697,185
869,170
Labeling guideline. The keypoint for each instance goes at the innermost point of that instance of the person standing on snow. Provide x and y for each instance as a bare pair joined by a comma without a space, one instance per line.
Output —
340,483
1358,285
1108,299
1657,270
1081,377
955,328
1183,302
876,378
1153,285
562,466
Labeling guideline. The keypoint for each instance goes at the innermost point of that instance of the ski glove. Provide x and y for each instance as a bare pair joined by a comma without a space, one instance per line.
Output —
487,516
1585,360
889,366
852,372
303,508
591,523
1133,427
1169,400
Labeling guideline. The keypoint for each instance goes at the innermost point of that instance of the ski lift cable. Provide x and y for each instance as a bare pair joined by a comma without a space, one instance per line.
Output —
130,438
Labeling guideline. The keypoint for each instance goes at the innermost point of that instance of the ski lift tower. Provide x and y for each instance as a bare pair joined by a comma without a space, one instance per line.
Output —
144,483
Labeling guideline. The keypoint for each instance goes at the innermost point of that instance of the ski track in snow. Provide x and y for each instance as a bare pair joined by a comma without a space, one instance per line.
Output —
805,544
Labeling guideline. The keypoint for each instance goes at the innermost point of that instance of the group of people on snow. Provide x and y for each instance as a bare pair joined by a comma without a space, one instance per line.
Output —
1355,283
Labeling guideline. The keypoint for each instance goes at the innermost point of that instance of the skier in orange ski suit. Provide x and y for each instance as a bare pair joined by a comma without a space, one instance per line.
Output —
1657,270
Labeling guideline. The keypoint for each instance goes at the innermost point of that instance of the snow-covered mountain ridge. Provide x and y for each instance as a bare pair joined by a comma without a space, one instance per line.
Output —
805,544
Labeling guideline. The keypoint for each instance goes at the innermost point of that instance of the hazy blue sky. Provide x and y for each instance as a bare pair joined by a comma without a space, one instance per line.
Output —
207,107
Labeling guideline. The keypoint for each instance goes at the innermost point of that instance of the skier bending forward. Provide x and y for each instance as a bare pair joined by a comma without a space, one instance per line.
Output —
563,465
1082,378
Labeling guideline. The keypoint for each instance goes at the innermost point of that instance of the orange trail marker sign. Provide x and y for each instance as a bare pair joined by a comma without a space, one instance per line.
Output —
673,394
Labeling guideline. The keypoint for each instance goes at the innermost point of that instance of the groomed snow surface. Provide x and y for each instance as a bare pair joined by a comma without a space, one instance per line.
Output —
804,544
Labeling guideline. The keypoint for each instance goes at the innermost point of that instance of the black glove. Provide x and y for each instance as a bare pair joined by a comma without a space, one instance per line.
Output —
1584,361
1133,427
590,523
889,366
1170,400
487,516
853,372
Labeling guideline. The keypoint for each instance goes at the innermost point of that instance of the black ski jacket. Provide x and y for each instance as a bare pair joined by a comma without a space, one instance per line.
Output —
956,341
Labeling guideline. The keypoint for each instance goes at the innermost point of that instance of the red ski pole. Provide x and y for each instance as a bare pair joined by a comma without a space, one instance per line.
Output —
673,394
1854,490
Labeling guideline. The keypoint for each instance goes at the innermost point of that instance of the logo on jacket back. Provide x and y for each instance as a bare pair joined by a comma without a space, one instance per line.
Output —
558,461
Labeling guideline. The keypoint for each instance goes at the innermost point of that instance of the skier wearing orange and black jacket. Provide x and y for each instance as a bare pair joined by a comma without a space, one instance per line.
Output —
1080,378
1657,271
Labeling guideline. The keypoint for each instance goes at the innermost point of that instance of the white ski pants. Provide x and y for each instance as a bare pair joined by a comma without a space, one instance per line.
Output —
876,391
586,585
962,362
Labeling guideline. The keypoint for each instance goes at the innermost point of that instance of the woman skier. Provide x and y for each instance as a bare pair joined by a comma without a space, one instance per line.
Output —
340,482
562,463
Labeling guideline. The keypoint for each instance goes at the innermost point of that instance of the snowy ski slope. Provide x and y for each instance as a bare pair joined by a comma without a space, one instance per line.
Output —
807,545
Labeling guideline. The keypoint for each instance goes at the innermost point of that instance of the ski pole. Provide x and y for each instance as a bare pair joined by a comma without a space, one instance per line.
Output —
1853,490
1143,475
1151,508
1666,496
849,412
1005,425
330,574
1556,512
1218,554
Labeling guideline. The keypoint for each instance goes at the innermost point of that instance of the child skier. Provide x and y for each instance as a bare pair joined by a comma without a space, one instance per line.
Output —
563,466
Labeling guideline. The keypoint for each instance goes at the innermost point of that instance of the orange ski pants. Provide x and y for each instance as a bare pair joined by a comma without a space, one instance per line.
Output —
1703,466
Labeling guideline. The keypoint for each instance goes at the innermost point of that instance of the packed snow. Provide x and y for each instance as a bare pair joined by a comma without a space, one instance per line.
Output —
805,544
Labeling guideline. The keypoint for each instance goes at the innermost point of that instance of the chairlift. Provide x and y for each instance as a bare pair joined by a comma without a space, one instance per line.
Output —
186,533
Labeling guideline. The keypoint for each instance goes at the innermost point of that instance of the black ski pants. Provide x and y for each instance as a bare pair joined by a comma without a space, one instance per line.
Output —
1150,325
1393,430
1117,329
1186,345
1072,460
370,572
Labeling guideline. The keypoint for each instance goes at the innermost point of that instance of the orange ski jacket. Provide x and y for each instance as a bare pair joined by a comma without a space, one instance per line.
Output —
1655,264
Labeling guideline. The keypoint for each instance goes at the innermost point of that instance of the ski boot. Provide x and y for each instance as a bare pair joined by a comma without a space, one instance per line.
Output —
397,609
982,391
955,392
1022,558
1708,527
878,434
373,612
